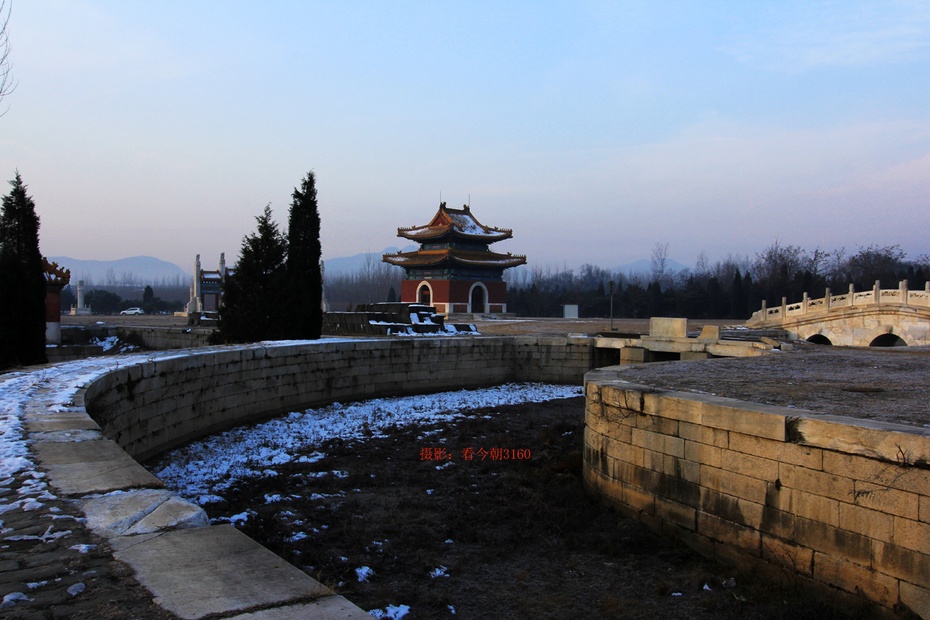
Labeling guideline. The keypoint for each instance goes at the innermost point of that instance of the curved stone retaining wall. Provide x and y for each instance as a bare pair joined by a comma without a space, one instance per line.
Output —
157,405
148,403
838,504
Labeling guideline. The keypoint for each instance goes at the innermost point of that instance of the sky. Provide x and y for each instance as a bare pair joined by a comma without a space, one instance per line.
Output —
597,131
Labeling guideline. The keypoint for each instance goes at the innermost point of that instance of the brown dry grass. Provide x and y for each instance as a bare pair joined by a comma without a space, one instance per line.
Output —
518,538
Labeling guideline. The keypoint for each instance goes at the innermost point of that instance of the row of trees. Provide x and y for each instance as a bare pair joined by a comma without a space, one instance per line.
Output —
102,301
129,280
275,290
375,281
730,288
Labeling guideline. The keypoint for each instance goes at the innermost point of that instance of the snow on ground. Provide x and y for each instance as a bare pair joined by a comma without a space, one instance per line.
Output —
107,343
203,470
44,389
391,612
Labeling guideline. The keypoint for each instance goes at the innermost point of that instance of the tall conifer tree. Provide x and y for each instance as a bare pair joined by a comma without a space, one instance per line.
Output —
22,283
254,306
304,277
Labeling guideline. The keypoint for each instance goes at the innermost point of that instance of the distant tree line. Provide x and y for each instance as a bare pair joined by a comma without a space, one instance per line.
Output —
374,281
730,288
105,301
112,281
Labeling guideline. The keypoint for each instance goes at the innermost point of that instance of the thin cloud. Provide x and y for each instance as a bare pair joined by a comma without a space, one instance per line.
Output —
837,35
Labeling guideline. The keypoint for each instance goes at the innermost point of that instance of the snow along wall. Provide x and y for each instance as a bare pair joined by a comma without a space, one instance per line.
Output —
163,403
838,505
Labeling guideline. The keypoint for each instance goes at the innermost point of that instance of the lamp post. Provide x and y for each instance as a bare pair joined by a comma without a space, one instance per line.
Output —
611,283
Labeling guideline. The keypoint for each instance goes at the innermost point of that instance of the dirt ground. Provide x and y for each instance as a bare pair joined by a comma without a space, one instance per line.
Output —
489,327
561,327
487,537
886,384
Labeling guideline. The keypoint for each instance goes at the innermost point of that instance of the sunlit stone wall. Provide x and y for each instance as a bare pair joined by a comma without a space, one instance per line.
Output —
840,505
164,403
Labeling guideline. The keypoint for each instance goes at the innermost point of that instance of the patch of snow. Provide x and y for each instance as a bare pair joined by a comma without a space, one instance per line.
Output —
391,612
10,599
107,343
82,548
76,589
439,571
363,573
205,469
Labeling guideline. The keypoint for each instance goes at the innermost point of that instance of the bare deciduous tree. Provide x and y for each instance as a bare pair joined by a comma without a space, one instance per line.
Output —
6,68
659,261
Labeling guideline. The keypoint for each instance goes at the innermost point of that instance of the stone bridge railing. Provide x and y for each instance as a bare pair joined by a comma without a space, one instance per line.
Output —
900,297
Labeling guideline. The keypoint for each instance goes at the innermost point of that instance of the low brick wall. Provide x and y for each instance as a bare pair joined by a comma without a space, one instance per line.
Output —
837,504
154,406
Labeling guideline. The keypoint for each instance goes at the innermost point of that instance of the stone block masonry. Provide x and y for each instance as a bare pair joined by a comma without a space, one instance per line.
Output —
155,406
838,505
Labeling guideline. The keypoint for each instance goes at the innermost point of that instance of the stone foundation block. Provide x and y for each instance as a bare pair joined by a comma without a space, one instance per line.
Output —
856,578
818,483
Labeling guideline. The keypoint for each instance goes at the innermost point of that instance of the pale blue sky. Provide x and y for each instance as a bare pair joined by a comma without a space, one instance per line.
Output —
594,129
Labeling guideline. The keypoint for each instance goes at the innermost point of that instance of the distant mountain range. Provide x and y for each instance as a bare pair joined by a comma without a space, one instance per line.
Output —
125,271
148,269
352,264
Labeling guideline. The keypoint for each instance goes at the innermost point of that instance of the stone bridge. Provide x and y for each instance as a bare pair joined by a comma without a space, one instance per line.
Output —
879,317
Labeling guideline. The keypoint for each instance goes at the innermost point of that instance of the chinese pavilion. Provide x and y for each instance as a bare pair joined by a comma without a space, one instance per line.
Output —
453,270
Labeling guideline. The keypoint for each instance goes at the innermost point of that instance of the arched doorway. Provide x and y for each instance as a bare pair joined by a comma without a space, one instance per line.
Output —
424,294
819,339
888,340
478,298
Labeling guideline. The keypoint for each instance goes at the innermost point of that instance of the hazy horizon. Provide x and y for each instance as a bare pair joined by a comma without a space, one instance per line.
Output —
595,130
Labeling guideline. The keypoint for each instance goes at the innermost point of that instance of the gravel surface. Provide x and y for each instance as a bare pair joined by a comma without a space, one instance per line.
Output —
888,385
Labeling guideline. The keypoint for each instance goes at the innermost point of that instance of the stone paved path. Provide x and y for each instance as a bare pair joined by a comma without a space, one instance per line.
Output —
63,487
51,565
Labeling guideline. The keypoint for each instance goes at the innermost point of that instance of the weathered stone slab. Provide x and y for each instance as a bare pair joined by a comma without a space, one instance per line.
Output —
86,467
663,327
66,436
884,440
143,511
59,421
709,333
213,570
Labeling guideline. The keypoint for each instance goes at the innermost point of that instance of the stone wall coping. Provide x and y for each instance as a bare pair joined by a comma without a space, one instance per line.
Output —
886,441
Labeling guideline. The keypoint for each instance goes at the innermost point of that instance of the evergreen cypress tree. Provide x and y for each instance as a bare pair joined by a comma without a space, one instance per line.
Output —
254,306
22,281
739,299
304,278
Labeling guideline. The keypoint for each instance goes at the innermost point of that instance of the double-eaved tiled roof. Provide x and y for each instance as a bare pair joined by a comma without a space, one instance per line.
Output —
456,223
454,257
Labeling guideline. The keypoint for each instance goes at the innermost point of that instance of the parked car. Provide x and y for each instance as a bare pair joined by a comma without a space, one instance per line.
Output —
133,311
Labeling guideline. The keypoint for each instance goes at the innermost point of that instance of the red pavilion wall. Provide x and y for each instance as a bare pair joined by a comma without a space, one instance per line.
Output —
451,296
